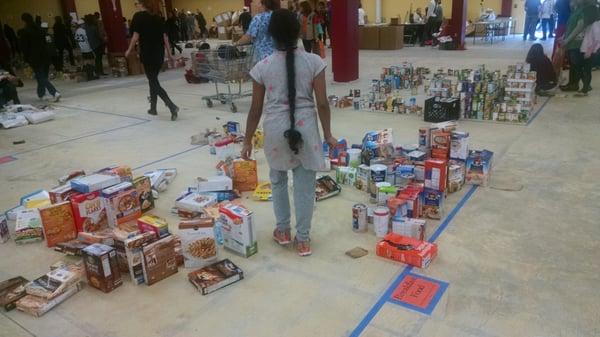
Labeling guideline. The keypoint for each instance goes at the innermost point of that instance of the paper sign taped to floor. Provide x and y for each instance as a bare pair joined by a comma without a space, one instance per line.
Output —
419,293
7,159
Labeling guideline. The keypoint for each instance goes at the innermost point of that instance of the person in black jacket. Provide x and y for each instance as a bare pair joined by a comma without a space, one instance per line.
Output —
149,29
70,39
201,24
36,54
61,41
96,42
172,31
540,63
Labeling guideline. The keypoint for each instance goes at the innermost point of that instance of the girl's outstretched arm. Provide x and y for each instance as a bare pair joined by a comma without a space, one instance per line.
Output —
258,97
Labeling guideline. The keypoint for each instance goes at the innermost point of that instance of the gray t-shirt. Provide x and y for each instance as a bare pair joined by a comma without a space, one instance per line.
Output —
271,73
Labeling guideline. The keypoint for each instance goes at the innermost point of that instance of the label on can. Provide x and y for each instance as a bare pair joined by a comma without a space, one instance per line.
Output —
359,218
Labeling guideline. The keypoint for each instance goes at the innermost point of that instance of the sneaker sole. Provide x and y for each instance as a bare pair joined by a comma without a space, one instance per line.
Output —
305,254
282,243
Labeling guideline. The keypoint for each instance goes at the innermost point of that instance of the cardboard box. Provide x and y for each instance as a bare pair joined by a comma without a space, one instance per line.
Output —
122,171
456,175
38,306
102,267
198,243
407,250
195,201
238,229
94,182
224,33
11,291
413,228
368,37
245,176
159,260
59,223
391,37
28,227
436,171
479,167
216,276
54,283
154,224
223,19
433,204
217,183
122,203
459,147
103,236
90,212
135,257
61,193
440,144
144,192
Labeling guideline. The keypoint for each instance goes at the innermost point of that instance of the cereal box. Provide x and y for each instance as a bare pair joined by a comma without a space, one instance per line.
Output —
160,261
102,267
433,204
135,256
28,227
94,182
195,201
238,229
61,193
153,223
144,191
198,242
479,167
89,211
59,223
122,203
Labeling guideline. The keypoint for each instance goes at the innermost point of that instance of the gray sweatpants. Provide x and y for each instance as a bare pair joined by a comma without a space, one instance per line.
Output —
304,200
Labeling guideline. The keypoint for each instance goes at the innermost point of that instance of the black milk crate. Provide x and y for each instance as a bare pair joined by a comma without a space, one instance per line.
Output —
442,109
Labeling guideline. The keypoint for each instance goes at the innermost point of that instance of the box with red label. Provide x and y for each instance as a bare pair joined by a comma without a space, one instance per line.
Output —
440,144
479,167
89,212
238,229
61,193
122,203
407,250
433,204
413,201
436,174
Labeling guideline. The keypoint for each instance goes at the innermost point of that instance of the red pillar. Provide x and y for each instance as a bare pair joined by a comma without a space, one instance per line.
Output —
112,17
344,27
506,8
68,7
458,22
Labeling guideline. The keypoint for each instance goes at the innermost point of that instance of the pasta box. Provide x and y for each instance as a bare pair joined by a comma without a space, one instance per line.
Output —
102,267
160,260
198,243
153,223
238,229
122,203
89,211
144,192
58,223
407,250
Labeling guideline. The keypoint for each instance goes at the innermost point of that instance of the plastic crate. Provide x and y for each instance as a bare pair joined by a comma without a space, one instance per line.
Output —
441,110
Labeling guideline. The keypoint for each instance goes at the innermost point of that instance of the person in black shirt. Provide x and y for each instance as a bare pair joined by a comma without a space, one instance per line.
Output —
540,63
36,54
172,32
149,29
201,24
245,19
61,41
96,42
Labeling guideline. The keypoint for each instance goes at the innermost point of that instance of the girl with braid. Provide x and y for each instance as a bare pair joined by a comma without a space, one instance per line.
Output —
283,85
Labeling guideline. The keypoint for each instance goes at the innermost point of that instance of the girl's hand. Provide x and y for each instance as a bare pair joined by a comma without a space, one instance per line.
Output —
246,151
331,141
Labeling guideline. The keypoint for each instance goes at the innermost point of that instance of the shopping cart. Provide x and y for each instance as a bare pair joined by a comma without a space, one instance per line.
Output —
226,65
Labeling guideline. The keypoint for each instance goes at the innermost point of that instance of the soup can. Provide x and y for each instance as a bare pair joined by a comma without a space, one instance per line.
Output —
381,221
359,218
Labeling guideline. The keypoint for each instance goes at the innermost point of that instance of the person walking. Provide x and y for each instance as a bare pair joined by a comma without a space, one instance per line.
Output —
35,51
258,32
546,13
202,24
61,41
532,16
172,29
183,31
96,42
148,29
585,13
283,86
190,22
308,29
87,54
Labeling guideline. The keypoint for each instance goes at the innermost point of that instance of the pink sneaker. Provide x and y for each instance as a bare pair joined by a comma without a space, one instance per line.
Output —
282,237
302,247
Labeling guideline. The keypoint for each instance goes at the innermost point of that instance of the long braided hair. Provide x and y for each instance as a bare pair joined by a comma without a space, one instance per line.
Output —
285,29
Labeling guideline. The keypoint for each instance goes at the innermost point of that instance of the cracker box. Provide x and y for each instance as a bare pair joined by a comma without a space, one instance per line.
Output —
94,182
61,193
198,242
245,177
238,229
153,223
122,203
144,191
217,183
89,211
407,250
195,201
4,233
58,223
433,204
102,267
436,174
459,148
135,257
479,167
28,227
160,261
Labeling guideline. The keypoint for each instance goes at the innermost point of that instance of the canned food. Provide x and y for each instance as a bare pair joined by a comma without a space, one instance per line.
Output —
359,218
381,221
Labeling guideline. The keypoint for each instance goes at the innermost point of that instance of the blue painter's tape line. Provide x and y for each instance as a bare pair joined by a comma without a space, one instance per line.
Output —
434,301
452,214
80,137
539,110
169,157
387,294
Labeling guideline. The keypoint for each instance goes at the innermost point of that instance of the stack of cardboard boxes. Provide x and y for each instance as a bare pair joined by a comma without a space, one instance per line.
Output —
381,37
224,25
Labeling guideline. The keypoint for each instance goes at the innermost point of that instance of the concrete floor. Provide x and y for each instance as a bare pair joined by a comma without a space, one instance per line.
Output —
519,262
